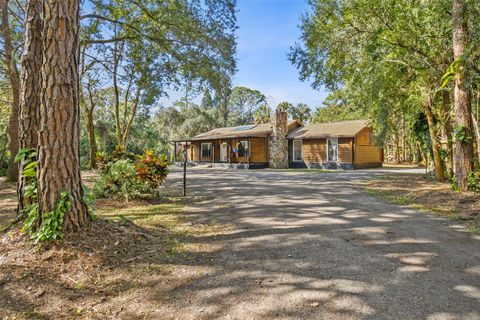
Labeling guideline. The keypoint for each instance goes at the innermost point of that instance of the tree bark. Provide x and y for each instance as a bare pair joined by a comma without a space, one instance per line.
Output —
433,136
14,79
447,128
476,129
31,82
117,51
463,158
59,137
91,131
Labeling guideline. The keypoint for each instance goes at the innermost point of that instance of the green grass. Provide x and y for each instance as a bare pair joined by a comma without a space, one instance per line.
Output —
390,197
170,218
453,214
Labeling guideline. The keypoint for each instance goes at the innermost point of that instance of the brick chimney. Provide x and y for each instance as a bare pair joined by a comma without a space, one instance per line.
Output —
277,143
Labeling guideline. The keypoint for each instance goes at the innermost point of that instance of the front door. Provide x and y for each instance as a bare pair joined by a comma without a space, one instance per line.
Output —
223,152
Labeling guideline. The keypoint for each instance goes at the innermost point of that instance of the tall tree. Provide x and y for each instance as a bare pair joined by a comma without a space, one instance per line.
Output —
243,103
284,106
262,114
463,156
350,48
31,82
300,112
157,45
12,72
59,138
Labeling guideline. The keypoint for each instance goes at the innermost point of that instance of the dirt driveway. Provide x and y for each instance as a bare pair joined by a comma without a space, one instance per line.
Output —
314,246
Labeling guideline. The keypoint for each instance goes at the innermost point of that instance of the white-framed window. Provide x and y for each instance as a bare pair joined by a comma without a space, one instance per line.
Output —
243,148
206,150
297,150
332,149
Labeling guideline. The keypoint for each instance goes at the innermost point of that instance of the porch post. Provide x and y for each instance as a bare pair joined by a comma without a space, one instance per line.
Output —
175,152
213,151
230,152
248,151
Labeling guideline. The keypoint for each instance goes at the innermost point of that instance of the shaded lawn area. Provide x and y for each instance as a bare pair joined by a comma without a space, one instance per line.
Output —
417,192
129,249
8,202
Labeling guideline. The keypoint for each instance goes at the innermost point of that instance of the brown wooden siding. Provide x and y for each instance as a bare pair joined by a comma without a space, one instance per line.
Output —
366,151
345,149
368,154
364,137
258,148
314,150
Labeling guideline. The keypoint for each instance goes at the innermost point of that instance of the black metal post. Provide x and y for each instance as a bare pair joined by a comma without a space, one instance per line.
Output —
184,172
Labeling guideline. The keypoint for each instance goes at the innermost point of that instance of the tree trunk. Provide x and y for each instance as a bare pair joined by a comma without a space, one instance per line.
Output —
92,141
463,159
31,82
476,129
91,131
116,60
128,125
59,138
435,145
447,127
13,77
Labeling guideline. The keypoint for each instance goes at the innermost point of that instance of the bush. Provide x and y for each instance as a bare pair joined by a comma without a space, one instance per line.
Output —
118,180
474,181
152,170
129,179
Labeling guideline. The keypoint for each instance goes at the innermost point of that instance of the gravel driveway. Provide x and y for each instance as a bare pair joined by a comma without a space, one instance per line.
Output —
314,246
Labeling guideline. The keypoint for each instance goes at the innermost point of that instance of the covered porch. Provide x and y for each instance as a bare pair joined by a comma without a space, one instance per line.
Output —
238,152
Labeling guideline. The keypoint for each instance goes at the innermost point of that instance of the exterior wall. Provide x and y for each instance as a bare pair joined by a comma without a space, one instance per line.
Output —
367,153
345,147
314,154
314,150
258,150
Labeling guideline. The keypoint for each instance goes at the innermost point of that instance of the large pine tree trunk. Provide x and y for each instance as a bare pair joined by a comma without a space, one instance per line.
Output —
31,85
463,158
435,144
59,138
14,78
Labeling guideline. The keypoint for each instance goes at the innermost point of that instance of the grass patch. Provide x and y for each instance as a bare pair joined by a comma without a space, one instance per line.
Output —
427,196
390,197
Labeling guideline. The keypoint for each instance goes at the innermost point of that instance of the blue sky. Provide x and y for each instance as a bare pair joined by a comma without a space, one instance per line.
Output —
267,29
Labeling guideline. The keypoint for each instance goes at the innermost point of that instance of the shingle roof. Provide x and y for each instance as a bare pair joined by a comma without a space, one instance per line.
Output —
259,130
330,129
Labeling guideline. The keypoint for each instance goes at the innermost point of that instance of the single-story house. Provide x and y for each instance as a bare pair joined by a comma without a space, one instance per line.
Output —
283,144
334,145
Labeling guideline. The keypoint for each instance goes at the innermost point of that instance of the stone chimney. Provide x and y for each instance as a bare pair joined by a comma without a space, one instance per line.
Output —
277,143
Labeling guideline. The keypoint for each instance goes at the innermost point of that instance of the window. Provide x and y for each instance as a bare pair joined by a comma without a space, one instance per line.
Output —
206,150
242,149
332,145
297,150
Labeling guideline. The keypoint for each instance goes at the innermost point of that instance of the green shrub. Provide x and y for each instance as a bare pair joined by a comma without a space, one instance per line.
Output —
128,179
119,180
474,181
151,170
